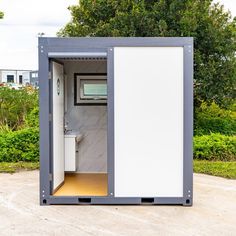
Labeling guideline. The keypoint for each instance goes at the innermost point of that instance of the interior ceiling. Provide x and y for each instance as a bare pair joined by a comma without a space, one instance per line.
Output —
83,59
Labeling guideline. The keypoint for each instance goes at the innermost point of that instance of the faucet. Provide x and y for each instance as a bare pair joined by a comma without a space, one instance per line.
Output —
65,128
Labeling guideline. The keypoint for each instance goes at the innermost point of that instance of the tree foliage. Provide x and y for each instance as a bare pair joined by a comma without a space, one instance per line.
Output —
1,14
212,27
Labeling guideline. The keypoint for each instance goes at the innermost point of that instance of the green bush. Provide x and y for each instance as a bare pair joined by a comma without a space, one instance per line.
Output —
15,105
215,147
32,119
20,145
213,119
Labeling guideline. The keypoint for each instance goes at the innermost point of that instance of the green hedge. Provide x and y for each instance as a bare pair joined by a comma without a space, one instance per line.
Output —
215,147
213,119
21,145
32,118
15,106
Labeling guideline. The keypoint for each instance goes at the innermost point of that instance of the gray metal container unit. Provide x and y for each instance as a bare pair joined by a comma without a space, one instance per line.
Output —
149,115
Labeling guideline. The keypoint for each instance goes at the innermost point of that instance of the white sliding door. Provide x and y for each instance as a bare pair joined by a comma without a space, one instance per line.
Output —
58,124
148,121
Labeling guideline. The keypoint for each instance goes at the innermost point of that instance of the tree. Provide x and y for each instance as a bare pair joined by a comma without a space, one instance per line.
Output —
1,15
212,27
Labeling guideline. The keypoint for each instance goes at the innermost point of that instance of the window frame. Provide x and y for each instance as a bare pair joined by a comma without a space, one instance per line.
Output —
10,77
79,79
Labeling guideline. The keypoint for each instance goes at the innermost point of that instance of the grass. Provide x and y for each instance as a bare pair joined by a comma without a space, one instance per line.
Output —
9,167
216,168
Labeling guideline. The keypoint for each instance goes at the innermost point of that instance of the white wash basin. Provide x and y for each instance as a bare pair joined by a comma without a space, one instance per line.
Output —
77,137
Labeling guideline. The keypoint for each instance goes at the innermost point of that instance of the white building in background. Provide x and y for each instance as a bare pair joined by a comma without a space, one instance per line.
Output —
34,78
18,76
26,77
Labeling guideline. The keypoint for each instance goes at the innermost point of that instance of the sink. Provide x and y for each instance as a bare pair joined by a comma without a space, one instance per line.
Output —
78,137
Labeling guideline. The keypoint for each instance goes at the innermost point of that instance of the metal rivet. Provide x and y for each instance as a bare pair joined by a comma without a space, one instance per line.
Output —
189,195
111,193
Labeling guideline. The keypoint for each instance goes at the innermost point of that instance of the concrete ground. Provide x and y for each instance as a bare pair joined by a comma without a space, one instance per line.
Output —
213,212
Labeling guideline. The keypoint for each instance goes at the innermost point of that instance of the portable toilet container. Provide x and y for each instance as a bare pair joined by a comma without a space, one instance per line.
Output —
116,120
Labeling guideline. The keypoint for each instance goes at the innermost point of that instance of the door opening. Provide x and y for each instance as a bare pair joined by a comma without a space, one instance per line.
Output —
84,118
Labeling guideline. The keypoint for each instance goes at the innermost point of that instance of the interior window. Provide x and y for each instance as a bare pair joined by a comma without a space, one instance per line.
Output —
90,89
93,89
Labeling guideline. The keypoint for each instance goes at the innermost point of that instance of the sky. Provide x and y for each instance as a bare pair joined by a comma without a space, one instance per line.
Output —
24,19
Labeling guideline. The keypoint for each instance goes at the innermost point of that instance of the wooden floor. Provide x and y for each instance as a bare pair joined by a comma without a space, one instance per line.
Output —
83,185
